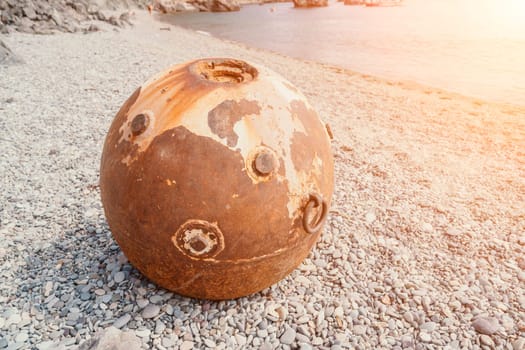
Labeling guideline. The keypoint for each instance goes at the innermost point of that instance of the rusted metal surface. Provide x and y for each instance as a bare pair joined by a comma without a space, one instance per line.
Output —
216,178
316,205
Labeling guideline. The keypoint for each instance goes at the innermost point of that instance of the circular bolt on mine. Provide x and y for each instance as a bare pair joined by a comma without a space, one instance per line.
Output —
139,124
264,163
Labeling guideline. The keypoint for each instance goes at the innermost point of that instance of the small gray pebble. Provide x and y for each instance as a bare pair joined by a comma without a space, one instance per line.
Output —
150,311
159,327
119,277
155,299
122,321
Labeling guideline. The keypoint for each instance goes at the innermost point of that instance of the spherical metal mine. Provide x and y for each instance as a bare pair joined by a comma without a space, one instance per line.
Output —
216,178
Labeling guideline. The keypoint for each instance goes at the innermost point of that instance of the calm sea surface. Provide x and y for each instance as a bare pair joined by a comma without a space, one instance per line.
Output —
474,47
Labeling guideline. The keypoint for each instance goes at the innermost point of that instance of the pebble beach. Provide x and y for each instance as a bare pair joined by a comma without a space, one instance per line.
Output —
424,246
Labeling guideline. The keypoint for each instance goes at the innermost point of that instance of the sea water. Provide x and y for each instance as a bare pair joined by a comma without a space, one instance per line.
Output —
473,47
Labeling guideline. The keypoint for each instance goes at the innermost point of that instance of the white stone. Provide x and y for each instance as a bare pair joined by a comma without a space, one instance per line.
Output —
21,337
112,338
288,336
486,340
427,227
486,325
425,337
370,217
187,345
143,333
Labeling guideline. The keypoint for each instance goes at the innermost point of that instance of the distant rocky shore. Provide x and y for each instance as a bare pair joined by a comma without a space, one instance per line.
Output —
72,16
53,16
50,16
172,6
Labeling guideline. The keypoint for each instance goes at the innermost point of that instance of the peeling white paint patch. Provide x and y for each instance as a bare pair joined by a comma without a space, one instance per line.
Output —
171,102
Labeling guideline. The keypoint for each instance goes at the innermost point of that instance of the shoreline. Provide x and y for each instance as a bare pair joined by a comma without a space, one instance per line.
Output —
166,18
407,84
423,246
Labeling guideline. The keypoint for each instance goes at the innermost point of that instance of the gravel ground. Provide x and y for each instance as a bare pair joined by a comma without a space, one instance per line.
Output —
424,247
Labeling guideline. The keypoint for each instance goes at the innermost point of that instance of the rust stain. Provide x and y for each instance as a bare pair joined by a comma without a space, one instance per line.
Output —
223,117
